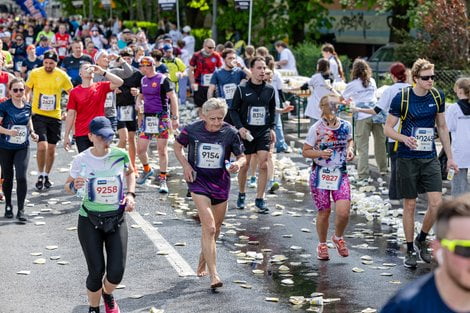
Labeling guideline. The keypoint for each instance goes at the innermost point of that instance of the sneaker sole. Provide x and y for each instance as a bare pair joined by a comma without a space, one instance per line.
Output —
419,253
410,266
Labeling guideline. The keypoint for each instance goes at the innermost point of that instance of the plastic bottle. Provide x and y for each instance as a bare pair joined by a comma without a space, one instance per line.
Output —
249,137
450,174
82,191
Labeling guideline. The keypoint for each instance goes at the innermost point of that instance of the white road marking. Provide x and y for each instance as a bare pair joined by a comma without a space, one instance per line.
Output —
174,258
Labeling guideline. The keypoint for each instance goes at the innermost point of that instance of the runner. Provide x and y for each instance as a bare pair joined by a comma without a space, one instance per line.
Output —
207,170
226,79
155,115
87,101
399,77
458,121
71,64
420,109
253,113
175,65
361,91
329,143
202,65
46,84
97,175
16,127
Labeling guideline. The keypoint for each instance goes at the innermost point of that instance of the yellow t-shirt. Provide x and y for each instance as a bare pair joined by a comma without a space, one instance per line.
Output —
47,91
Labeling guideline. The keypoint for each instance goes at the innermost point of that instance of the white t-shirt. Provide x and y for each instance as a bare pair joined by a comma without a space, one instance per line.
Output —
356,91
334,69
190,43
320,89
277,84
286,54
459,126
386,99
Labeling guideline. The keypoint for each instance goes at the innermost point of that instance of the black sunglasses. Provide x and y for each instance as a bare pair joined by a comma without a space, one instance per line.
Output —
210,47
15,90
428,77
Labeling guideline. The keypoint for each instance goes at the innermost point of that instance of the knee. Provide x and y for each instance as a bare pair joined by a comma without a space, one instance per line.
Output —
209,230
263,164
94,281
162,150
42,146
21,180
342,214
323,214
115,273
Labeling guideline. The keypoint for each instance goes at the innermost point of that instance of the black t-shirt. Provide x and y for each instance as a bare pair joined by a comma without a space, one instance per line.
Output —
420,296
125,97
72,64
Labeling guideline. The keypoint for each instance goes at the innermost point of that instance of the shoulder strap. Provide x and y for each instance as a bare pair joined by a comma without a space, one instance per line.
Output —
405,99
437,97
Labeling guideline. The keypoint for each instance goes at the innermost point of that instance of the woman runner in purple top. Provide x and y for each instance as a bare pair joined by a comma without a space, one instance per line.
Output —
207,169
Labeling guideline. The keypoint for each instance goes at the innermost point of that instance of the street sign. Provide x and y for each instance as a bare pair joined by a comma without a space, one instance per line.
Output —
242,4
167,5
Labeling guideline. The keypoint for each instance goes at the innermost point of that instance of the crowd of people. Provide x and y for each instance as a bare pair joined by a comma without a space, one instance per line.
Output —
118,82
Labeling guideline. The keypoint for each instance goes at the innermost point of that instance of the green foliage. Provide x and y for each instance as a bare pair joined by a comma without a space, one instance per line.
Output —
150,26
200,34
306,57
201,5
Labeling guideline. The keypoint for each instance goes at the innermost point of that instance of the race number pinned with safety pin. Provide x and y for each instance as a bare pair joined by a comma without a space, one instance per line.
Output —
328,178
257,116
151,125
206,80
22,134
424,137
210,156
105,190
47,102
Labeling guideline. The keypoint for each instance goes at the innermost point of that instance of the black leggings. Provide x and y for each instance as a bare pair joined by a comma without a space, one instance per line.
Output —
92,241
18,159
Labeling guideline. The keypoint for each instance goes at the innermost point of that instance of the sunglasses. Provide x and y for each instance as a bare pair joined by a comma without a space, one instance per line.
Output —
15,90
210,48
458,247
145,65
428,77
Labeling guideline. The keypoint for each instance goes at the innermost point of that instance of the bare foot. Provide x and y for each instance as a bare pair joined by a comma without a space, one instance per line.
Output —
201,268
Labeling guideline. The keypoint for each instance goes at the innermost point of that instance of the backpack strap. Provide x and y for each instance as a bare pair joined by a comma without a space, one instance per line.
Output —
437,97
405,99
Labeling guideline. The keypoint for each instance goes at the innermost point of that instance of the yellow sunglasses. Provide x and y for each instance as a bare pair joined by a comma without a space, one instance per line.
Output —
459,247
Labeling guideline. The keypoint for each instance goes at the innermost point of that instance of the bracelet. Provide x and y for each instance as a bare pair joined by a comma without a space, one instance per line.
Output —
72,187
131,193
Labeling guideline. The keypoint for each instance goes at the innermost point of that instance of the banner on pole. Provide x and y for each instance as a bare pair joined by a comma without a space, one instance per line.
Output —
167,5
242,4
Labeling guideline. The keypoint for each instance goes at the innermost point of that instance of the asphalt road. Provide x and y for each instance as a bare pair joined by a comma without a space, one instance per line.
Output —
151,280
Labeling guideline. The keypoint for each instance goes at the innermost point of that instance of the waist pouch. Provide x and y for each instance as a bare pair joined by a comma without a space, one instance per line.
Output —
107,222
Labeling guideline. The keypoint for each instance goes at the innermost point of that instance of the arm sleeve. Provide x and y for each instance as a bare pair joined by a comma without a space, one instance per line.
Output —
214,78
377,110
166,85
67,84
235,109
347,93
311,138
124,72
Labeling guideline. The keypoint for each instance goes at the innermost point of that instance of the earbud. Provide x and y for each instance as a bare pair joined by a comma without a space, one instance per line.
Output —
440,256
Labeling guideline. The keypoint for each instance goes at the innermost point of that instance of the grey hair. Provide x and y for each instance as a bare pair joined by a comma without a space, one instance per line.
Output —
214,104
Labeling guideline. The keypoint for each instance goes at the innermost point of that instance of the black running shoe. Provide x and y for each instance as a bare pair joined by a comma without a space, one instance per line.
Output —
21,216
40,183
8,212
47,183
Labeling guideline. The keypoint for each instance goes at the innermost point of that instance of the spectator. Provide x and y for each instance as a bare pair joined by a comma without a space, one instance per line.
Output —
329,53
286,57
189,40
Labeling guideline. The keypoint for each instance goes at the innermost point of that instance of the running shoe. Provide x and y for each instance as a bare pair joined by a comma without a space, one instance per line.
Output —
261,205
21,216
163,186
47,183
241,201
143,177
110,305
273,186
340,246
252,182
188,194
322,252
40,183
411,259
423,249
8,212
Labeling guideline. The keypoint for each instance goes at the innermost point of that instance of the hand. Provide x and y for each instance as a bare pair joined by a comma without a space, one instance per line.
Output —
117,90
34,137
63,116
113,56
79,182
243,131
452,164
188,173
130,203
194,87
350,154
67,145
273,136
135,91
287,108
326,154
175,124
411,142
13,133
234,168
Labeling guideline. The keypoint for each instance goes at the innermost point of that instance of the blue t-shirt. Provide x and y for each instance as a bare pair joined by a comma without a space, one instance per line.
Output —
419,122
227,82
162,68
12,116
420,296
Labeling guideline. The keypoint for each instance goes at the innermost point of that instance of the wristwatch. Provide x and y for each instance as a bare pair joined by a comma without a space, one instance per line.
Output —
131,193
174,117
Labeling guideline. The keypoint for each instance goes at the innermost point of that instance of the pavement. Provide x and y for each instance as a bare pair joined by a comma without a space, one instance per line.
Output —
163,249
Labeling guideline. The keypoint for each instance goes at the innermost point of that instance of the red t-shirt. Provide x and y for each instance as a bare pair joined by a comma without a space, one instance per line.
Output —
205,65
88,103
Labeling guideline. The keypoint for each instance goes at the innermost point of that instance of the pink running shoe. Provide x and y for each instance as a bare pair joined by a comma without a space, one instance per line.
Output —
340,246
322,252
110,305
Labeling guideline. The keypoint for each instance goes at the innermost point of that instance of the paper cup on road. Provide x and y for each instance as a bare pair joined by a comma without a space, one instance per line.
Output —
316,301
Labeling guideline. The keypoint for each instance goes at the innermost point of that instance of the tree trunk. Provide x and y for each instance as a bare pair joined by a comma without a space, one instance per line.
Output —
140,10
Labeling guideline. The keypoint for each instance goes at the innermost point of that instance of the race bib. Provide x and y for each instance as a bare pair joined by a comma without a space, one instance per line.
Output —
210,156
47,102
22,134
108,103
105,190
125,113
425,138
151,125
257,116
206,79
3,90
328,178
229,90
